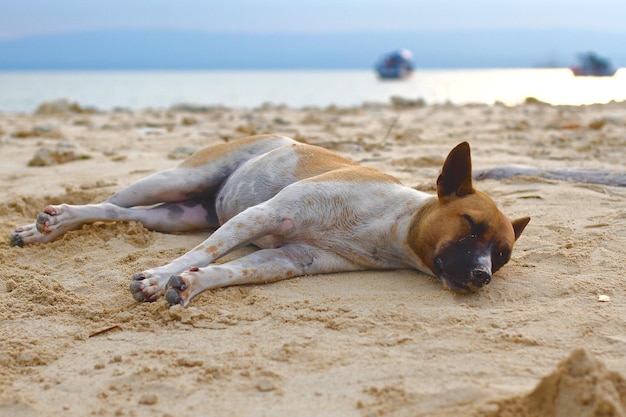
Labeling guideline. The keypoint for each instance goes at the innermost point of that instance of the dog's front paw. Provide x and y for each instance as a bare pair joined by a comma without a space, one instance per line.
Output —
178,291
146,287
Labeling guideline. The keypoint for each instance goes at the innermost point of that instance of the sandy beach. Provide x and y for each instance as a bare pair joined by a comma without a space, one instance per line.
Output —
546,337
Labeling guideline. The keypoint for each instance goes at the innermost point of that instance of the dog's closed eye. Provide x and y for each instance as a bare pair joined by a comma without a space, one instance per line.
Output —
476,228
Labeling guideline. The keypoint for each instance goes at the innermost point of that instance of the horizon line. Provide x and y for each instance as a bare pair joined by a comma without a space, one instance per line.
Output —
373,31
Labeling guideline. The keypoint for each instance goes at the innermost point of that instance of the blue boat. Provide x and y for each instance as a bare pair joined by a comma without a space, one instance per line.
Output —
396,65
592,65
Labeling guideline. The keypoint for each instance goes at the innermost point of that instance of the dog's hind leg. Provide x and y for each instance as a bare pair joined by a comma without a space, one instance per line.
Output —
54,221
172,185
196,179
201,174
190,198
262,266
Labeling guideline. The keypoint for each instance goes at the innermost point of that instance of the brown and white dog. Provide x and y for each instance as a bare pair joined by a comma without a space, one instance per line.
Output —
310,211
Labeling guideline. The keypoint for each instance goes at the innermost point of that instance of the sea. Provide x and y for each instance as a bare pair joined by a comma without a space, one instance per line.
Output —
134,90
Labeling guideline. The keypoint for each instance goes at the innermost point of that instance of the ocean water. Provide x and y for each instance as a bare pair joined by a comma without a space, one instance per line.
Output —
105,90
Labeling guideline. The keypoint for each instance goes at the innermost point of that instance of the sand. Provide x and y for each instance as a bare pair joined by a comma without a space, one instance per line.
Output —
536,341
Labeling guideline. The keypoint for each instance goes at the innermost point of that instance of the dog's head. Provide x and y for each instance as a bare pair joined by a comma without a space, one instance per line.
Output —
462,236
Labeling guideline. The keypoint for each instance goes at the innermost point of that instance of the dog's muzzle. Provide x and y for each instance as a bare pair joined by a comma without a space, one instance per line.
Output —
461,278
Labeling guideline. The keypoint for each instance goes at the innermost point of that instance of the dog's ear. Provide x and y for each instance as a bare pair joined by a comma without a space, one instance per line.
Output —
456,175
519,225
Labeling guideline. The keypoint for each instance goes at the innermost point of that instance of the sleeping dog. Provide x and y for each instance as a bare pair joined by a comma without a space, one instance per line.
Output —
309,210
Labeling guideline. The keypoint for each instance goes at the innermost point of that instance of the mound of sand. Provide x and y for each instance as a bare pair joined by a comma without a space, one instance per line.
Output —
581,386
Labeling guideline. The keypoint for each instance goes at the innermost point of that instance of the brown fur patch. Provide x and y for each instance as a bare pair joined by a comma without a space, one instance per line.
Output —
319,164
219,151
356,173
314,160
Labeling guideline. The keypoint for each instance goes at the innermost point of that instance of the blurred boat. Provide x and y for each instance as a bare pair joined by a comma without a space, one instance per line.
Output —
592,65
396,65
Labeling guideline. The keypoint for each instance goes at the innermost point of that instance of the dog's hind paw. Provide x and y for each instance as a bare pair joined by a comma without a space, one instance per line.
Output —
17,240
28,234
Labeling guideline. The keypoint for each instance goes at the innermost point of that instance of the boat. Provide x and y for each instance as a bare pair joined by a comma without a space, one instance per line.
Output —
396,65
592,65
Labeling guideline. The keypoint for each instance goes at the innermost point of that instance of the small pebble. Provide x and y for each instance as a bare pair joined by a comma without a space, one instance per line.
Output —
148,399
10,285
265,385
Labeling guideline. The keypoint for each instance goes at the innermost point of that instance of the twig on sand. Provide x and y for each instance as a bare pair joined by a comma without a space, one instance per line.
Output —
106,330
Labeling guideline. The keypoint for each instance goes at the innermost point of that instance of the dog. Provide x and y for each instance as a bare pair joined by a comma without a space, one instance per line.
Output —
308,210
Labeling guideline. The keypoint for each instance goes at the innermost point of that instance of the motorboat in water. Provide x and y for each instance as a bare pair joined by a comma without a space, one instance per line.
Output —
396,65
592,65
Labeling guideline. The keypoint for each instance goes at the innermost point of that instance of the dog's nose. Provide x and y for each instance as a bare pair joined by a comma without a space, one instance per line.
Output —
481,276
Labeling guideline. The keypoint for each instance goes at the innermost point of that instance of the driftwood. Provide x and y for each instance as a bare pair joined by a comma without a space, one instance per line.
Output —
587,176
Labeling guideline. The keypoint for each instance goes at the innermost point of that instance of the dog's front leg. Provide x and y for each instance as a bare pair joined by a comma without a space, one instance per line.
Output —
248,226
262,266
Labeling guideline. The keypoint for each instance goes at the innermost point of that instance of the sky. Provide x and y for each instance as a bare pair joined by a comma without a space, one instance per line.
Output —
23,18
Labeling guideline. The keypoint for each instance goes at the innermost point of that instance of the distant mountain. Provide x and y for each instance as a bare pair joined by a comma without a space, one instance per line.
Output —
171,50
